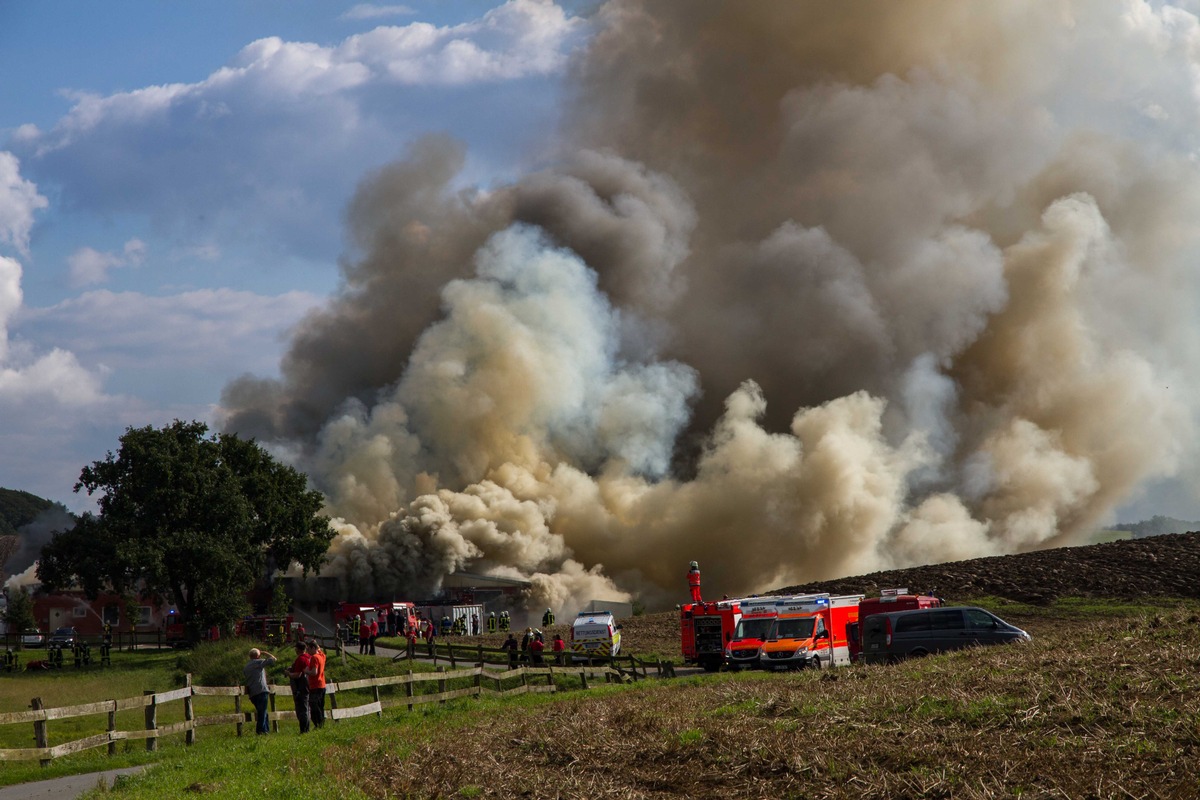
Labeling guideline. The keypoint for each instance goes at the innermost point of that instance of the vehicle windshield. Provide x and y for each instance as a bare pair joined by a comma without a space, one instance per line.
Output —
800,628
753,628
64,631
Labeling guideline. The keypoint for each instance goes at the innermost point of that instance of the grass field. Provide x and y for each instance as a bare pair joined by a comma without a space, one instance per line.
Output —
1100,704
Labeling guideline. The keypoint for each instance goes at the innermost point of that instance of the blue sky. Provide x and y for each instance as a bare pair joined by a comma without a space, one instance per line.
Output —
173,178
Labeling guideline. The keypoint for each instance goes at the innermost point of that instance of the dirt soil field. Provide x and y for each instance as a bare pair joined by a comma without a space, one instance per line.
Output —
1157,566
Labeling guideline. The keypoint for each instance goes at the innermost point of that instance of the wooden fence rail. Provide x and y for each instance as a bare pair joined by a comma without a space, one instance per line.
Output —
478,654
481,681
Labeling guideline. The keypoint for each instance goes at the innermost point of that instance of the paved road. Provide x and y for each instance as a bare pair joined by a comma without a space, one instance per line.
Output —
67,787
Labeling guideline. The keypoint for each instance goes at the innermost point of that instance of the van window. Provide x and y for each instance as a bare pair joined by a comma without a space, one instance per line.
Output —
979,619
801,628
948,620
912,622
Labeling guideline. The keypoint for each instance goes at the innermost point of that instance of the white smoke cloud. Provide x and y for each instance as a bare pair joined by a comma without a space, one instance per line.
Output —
954,248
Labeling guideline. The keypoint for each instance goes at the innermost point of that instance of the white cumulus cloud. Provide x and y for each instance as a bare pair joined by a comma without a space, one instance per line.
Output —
89,266
19,199
371,11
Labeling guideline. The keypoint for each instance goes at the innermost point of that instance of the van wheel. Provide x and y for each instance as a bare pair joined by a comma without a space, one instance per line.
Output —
815,663
918,653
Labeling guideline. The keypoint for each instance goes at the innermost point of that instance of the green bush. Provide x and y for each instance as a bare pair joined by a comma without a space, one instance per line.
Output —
218,663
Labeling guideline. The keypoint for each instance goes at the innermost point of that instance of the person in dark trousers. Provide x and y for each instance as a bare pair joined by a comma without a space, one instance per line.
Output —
510,644
525,640
559,647
316,683
298,673
256,687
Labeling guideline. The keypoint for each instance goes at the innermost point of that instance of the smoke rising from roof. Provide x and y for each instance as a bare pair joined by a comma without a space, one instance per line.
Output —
807,292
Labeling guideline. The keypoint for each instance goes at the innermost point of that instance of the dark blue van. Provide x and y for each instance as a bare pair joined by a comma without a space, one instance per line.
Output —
894,635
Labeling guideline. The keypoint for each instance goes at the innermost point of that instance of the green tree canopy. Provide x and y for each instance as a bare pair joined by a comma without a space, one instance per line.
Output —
18,614
189,517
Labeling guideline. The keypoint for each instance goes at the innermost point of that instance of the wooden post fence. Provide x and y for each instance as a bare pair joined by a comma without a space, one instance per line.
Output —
151,722
474,680
189,716
41,736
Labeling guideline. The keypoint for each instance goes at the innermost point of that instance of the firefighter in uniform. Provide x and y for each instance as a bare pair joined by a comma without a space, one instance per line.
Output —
492,624
355,628
548,618
505,621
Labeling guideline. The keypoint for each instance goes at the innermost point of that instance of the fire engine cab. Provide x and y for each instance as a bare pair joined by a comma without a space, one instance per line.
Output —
810,632
758,615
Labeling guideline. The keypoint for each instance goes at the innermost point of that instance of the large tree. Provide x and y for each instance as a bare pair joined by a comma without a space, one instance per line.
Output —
18,614
189,517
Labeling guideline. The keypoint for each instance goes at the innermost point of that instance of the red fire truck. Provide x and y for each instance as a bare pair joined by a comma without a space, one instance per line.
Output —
266,628
400,615
706,627
888,600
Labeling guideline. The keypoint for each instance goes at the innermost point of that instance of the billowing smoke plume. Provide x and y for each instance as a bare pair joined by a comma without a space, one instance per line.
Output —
810,290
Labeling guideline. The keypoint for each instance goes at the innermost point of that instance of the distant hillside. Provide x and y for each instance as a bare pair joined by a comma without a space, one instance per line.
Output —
1156,566
18,509
26,523
1157,526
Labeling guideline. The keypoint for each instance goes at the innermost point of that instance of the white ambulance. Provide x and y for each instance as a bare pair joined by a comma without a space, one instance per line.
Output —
595,634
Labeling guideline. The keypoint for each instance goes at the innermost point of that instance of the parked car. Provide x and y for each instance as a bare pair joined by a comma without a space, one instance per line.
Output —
894,635
63,637
32,637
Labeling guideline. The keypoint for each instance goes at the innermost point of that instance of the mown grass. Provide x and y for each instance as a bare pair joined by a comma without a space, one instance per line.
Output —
133,673
1098,705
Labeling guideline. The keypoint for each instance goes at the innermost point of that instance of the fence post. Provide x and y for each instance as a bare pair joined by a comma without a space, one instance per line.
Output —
550,677
450,652
479,676
583,678
237,707
189,714
41,736
375,692
112,726
151,721
333,706
408,687
442,683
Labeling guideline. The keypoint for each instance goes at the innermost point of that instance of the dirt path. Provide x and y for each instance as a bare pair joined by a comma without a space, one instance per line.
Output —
67,787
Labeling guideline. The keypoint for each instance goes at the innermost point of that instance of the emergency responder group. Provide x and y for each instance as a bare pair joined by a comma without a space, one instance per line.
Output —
365,633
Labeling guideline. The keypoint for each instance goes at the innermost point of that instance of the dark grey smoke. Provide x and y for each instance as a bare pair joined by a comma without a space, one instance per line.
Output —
36,535
917,277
